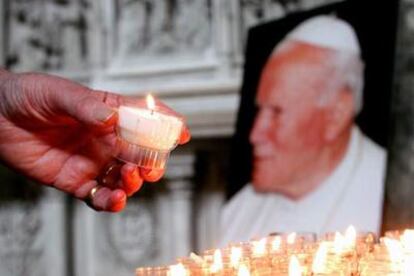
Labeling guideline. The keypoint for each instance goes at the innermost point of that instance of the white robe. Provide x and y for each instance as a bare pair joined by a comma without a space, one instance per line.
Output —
351,195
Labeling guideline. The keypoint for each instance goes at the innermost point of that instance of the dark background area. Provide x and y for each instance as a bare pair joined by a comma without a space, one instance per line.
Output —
376,32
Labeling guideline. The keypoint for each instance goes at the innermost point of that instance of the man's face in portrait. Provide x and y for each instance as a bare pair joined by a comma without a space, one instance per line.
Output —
290,129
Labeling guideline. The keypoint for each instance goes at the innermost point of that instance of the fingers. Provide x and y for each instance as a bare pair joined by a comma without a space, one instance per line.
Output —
112,198
151,175
131,179
101,198
109,200
185,136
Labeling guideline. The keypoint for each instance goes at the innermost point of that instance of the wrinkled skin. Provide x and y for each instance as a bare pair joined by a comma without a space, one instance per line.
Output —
61,134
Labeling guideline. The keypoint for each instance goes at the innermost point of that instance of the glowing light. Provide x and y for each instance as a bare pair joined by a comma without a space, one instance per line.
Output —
339,243
291,238
319,263
150,102
177,270
276,243
408,266
243,271
395,251
350,237
217,262
294,267
197,259
235,256
407,241
259,247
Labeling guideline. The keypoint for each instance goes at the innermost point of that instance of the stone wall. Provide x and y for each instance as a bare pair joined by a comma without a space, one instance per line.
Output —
191,53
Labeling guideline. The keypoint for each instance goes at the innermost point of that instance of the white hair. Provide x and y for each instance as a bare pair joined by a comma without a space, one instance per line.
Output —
347,69
349,73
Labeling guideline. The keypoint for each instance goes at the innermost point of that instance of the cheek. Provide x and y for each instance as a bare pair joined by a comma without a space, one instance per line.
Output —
295,132
314,129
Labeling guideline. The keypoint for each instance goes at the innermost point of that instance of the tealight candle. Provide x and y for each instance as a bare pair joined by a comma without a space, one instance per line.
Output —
146,135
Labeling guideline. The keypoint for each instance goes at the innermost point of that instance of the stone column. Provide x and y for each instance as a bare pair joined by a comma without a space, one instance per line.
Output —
179,186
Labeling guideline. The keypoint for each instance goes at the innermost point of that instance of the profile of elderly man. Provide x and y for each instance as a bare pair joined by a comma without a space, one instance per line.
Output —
313,169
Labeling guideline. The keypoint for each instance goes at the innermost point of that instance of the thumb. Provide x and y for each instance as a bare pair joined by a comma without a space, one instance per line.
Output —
69,98
91,110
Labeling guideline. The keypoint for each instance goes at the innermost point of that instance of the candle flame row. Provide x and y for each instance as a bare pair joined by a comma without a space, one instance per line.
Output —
400,251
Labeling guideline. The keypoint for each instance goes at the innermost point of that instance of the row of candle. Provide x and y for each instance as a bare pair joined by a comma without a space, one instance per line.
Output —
348,254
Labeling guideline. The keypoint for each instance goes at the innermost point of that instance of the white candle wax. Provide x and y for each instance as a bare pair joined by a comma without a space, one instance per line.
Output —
148,128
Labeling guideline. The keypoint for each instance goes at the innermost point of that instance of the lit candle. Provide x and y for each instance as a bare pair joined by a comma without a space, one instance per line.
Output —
276,243
146,135
235,256
177,270
294,267
350,237
217,265
259,247
291,238
319,262
243,271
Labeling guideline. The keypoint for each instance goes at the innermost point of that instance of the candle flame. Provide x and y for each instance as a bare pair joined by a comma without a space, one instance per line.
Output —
291,238
350,237
177,270
294,267
408,267
407,240
243,271
395,250
339,243
319,263
217,262
259,247
235,256
276,243
197,259
150,102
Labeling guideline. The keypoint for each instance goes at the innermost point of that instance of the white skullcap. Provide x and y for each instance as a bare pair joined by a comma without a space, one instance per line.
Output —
327,31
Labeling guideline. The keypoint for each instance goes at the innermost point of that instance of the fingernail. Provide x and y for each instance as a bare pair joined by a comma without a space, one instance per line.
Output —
105,114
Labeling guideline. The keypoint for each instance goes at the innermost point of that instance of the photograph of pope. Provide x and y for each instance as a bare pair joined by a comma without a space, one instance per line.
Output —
313,169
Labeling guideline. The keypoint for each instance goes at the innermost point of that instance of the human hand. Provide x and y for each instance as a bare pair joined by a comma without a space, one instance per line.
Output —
62,134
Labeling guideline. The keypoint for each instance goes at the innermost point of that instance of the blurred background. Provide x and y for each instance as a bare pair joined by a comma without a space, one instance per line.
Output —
189,53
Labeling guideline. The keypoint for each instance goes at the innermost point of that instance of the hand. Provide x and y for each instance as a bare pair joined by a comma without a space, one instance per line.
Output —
61,134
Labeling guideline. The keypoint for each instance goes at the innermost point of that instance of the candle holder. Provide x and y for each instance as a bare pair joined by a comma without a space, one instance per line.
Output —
146,134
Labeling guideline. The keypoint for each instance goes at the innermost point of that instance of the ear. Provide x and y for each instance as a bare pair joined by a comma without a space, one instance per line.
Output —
341,115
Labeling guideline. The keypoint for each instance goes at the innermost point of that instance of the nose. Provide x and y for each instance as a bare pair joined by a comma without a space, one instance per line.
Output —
259,129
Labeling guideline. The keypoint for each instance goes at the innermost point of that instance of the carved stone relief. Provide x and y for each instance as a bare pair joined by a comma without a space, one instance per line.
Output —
19,226
148,28
46,35
32,236
131,235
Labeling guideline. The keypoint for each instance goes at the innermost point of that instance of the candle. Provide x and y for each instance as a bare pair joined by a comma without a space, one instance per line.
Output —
177,270
243,271
235,256
294,267
276,243
319,263
217,265
146,135
259,247
334,255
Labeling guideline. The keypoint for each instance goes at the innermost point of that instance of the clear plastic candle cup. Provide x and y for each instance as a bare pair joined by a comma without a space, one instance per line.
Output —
146,135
